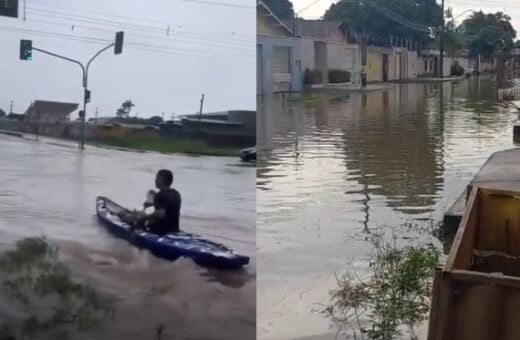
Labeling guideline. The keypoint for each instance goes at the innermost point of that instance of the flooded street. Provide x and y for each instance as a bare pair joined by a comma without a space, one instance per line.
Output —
48,188
334,167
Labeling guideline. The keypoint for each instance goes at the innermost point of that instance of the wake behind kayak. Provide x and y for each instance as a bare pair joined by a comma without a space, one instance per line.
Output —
169,246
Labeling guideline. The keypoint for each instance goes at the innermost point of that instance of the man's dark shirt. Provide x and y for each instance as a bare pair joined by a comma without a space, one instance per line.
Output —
169,200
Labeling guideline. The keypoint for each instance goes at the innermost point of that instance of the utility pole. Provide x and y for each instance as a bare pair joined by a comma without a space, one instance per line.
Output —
441,57
364,60
201,104
11,109
95,119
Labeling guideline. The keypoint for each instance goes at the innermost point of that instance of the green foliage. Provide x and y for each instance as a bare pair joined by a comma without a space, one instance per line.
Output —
312,77
396,295
339,76
488,34
380,19
283,9
457,69
453,36
125,109
40,286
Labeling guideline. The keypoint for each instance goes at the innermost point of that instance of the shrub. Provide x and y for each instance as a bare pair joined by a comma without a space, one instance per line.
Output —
312,77
339,76
457,69
395,295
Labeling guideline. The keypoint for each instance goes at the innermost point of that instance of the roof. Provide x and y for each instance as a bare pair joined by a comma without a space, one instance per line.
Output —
51,107
263,9
321,29
103,120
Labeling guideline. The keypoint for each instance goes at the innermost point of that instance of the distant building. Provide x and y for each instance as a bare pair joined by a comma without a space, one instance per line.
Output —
16,116
42,111
103,120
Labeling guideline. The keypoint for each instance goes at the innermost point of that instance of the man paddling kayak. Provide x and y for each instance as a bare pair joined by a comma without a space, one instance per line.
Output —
167,207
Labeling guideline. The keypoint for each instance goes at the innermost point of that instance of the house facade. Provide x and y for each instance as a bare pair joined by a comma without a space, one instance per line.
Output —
278,54
49,112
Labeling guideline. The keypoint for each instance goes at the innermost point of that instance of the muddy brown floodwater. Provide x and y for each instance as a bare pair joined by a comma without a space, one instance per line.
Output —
333,167
48,188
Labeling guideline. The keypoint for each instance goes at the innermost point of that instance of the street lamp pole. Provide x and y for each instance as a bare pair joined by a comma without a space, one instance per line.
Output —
85,88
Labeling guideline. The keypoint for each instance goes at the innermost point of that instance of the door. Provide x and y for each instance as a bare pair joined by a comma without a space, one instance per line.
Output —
281,69
385,67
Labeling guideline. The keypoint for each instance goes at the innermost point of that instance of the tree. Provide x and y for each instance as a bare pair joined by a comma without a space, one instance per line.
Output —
453,36
125,109
383,19
488,34
155,120
283,9
2,113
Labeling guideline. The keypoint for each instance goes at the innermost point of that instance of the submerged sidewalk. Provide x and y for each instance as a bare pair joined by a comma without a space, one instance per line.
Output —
500,172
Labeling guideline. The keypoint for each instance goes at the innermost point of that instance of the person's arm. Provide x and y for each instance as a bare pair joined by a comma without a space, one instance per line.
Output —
157,214
159,211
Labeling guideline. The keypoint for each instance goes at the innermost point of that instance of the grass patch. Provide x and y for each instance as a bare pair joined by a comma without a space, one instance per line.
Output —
167,146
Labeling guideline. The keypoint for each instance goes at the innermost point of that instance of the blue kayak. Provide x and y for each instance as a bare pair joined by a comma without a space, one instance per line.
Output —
170,246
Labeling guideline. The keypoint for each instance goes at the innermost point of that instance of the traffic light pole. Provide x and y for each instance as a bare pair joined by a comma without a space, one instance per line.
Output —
85,84
85,87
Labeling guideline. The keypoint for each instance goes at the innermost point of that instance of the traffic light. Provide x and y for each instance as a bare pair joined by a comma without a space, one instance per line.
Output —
87,96
9,8
118,47
25,49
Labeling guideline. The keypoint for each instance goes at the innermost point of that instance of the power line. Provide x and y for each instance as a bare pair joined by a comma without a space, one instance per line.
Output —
206,2
41,3
135,46
204,56
308,6
171,39
397,18
56,35
119,24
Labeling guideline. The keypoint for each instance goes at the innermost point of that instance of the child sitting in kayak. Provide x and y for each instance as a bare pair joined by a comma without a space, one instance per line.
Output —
167,206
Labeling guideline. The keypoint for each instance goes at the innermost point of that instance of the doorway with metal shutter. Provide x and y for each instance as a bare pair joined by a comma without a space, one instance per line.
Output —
281,69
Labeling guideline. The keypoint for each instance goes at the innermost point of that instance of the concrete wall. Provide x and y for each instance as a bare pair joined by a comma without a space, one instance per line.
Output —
269,82
375,64
325,56
340,57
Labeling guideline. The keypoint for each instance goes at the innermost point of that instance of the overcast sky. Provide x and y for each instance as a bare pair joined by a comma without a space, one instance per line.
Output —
205,52
512,8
